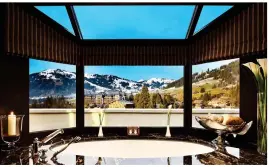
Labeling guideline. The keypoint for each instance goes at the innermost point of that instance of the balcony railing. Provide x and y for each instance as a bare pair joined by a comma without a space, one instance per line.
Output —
47,119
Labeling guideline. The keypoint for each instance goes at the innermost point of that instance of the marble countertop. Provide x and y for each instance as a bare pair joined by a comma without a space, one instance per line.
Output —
221,156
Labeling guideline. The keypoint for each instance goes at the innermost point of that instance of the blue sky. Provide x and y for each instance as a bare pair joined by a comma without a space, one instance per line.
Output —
133,22
130,72
40,65
208,14
124,22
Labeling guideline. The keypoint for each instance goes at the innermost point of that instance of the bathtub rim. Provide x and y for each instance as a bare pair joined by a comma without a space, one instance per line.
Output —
98,139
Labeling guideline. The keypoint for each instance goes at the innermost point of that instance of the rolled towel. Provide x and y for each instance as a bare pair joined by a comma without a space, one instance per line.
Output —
232,120
215,118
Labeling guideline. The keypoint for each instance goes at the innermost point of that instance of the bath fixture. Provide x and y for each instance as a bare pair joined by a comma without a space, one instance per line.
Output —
51,136
36,143
34,148
76,139
43,157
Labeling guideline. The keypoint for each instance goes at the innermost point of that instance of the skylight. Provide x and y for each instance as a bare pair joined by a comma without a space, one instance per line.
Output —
208,14
58,14
134,22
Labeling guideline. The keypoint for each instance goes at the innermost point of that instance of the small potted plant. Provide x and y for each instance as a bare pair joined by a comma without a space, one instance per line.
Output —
101,115
259,69
168,134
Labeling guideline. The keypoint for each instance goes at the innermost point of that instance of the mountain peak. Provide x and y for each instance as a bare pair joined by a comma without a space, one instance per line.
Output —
60,82
56,73
160,80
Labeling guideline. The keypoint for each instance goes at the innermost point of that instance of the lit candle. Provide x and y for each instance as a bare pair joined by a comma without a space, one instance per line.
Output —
11,124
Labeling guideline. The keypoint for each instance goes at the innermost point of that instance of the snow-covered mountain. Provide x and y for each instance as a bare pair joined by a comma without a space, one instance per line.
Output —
59,82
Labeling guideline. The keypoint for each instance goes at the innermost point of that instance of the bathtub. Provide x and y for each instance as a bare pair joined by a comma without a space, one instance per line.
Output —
134,148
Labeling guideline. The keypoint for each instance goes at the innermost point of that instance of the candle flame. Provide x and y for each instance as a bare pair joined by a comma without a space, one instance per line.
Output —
11,113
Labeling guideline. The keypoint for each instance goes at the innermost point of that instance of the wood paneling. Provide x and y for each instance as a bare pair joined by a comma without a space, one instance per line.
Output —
135,55
243,34
29,36
14,88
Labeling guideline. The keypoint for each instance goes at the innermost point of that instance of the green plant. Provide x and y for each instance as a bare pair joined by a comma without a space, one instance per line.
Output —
259,69
169,114
101,116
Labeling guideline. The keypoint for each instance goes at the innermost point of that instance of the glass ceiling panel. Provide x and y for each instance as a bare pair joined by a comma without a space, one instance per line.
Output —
134,22
208,14
58,14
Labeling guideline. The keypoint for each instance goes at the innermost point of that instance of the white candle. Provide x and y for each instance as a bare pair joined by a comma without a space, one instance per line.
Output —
11,124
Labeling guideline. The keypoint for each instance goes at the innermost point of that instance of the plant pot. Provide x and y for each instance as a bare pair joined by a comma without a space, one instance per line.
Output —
168,134
100,133
262,123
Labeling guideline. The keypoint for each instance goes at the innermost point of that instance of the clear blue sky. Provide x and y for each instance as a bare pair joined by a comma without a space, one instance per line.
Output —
138,72
40,65
134,22
130,72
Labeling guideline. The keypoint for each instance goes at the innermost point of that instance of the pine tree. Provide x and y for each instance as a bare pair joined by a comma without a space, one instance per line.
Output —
144,99
136,100
165,102
159,99
153,100
235,95
169,99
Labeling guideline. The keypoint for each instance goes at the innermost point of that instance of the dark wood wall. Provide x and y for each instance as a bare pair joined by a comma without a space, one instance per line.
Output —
30,33
135,52
14,81
14,87
241,32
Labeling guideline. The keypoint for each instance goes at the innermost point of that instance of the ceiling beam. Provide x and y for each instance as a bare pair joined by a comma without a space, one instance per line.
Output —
74,21
194,20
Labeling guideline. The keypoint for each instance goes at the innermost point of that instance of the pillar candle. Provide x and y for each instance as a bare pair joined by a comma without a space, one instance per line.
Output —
11,124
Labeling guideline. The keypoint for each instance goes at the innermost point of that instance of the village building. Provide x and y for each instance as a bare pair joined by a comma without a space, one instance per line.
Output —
121,104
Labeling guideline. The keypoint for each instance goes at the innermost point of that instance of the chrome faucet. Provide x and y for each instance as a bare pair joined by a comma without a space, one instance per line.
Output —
51,136
76,139
37,144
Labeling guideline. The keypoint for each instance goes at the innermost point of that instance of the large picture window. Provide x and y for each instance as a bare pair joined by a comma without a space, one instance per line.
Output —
133,95
52,92
215,89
